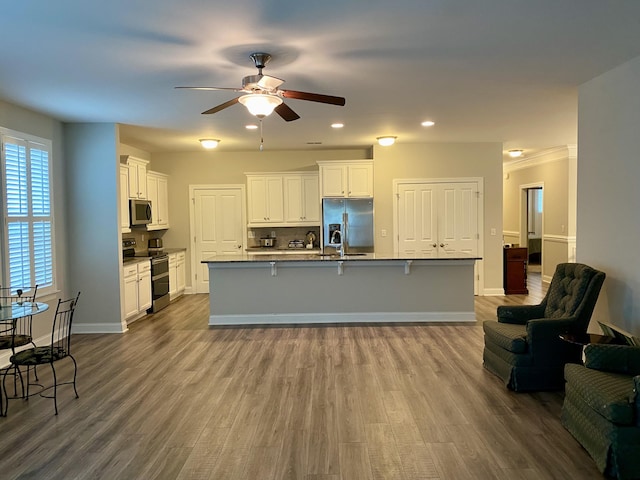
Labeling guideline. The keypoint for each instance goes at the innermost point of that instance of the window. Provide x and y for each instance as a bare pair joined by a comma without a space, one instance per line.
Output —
27,235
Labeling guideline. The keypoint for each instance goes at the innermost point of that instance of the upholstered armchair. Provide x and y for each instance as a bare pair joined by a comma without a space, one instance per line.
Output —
602,407
524,347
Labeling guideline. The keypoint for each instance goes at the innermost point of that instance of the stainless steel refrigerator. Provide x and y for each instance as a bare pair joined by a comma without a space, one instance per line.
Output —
347,223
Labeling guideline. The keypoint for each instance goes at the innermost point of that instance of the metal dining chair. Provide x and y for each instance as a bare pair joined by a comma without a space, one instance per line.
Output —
16,333
58,349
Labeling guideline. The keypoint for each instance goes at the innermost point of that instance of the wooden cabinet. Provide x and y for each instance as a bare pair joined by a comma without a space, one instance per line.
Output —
137,176
301,199
176,274
265,200
124,199
515,271
158,194
346,179
137,290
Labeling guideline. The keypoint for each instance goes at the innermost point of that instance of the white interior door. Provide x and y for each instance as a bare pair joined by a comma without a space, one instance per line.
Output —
439,219
218,227
417,225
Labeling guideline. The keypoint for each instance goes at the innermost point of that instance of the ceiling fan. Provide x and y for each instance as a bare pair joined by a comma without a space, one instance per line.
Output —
262,94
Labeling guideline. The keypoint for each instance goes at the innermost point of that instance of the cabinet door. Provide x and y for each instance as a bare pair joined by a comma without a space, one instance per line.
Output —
180,272
173,279
141,178
257,194
162,205
152,195
293,206
124,199
131,294
360,180
333,180
275,200
144,287
311,199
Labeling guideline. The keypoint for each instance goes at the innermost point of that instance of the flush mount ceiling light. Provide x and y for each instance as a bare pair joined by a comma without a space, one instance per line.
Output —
209,143
428,123
386,140
260,104
337,125
515,153
251,126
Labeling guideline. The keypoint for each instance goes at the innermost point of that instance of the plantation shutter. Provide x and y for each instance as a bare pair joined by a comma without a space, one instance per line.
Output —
27,187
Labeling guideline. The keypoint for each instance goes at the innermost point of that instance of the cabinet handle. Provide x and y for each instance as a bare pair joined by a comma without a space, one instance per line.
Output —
442,245
434,245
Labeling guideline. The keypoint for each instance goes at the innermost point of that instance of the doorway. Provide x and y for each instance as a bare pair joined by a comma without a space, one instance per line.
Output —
217,227
531,225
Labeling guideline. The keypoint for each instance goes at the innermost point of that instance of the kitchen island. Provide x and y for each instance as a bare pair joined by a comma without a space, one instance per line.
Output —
288,289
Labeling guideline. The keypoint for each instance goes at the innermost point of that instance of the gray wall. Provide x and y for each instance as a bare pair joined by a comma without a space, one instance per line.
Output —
93,227
608,226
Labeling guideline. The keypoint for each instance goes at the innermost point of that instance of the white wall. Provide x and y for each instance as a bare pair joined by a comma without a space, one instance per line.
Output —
608,220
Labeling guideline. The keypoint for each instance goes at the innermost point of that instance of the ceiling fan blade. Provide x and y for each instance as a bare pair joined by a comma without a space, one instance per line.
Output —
286,113
270,83
222,106
213,88
314,97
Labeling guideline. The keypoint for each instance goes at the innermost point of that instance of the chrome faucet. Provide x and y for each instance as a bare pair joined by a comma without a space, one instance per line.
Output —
333,241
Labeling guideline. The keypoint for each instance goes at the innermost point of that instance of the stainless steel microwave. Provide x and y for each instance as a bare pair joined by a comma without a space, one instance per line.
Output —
140,212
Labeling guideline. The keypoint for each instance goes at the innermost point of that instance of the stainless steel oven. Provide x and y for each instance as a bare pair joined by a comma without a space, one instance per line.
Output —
159,281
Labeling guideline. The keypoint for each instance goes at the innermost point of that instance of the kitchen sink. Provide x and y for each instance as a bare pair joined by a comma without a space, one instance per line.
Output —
336,255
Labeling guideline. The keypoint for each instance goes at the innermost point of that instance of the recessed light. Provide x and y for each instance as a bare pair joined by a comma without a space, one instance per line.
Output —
428,123
251,127
515,153
314,143
337,125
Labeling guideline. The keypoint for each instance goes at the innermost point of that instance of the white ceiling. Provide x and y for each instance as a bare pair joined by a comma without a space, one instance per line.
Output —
491,70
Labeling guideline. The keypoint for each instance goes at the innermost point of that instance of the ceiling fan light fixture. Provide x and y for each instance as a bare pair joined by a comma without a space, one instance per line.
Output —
260,104
515,153
209,143
386,141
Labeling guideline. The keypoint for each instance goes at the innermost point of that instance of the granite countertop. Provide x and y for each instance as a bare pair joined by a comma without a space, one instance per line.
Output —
367,257
175,250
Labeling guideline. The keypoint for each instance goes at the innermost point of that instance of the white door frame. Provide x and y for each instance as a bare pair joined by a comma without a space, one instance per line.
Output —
480,182
523,225
192,240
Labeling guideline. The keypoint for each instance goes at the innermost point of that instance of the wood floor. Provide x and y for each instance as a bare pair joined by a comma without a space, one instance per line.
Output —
174,399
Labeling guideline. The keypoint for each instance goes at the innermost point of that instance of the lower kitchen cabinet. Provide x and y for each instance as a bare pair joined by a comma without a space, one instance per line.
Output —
176,274
137,290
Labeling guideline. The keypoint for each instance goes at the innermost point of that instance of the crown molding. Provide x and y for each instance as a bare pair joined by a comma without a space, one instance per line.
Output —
553,154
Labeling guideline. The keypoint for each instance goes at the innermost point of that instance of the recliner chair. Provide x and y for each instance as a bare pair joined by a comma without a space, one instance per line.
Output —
524,347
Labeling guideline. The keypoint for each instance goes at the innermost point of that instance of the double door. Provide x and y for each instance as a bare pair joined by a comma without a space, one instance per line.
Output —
437,219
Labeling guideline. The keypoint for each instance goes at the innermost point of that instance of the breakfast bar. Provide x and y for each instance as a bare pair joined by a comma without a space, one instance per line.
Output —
289,289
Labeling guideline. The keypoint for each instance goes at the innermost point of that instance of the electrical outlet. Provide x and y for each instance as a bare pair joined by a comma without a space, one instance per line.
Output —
142,238
273,234
383,232
252,234
493,231
562,228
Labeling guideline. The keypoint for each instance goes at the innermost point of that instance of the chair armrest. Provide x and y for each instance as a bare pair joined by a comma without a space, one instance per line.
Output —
519,314
549,328
613,358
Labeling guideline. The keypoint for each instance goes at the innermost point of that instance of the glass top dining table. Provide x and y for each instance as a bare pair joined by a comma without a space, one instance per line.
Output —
21,309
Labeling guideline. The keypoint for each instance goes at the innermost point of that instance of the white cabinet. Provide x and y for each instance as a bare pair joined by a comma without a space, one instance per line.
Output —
176,274
346,179
137,289
265,199
158,194
301,199
137,176
124,199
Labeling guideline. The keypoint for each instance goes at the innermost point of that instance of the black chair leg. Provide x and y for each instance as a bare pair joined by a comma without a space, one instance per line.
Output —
75,373
55,388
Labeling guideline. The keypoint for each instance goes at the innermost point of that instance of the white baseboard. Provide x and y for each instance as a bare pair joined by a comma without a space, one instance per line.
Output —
493,292
99,328
310,318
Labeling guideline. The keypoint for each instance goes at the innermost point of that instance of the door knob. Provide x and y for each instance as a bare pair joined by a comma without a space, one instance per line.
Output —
442,245
434,245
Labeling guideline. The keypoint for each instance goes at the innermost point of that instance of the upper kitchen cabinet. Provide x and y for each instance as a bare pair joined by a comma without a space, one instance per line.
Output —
265,195
137,176
158,194
301,199
346,179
